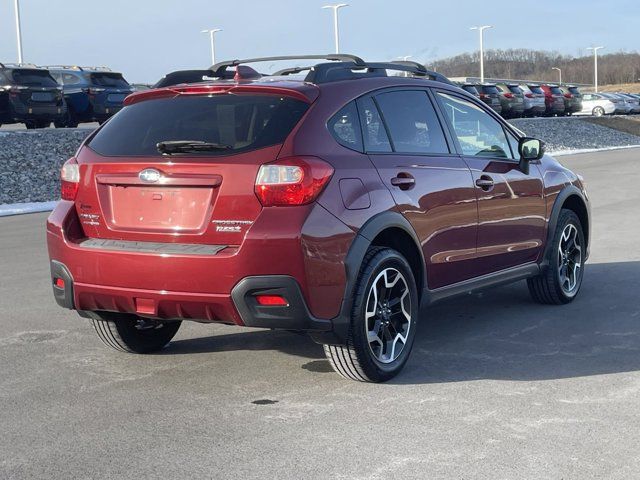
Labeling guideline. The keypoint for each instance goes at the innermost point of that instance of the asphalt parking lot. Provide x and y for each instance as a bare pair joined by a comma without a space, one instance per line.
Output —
497,387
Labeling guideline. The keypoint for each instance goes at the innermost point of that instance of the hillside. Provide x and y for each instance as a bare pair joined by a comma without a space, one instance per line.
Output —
613,68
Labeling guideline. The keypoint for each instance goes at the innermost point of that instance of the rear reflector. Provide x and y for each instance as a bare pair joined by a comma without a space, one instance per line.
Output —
59,283
272,301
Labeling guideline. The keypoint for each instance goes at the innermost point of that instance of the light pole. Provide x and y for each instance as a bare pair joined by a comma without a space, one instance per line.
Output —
481,30
559,74
595,66
211,33
18,30
336,34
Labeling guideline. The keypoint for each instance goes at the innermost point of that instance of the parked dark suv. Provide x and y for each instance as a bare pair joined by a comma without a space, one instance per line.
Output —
29,95
572,99
93,94
338,201
490,95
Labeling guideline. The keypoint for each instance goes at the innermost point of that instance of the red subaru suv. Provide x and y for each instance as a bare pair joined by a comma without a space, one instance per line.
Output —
339,199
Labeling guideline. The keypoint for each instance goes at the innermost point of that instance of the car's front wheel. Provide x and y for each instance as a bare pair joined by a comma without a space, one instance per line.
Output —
598,112
133,334
561,281
383,320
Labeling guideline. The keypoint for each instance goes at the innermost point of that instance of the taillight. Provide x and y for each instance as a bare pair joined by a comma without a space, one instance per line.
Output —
508,95
528,95
95,91
484,95
292,181
69,179
568,95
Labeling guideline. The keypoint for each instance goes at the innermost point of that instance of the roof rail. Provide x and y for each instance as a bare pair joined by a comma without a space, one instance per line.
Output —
220,69
61,67
333,72
97,69
19,65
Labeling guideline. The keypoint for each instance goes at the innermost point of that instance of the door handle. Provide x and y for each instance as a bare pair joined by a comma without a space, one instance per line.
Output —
485,182
404,181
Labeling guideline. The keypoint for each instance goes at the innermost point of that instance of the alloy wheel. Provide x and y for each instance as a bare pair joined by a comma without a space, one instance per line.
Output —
569,259
388,315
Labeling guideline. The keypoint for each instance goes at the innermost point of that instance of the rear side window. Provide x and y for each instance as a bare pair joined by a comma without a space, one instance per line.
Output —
241,122
412,122
33,78
113,80
345,127
70,79
375,135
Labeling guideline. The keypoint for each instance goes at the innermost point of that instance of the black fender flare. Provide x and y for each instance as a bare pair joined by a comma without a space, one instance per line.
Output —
565,193
353,261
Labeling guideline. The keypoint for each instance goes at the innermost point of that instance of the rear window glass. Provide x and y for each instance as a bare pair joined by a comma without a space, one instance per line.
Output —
556,90
471,89
33,78
241,122
345,127
113,80
516,89
489,89
412,121
574,90
536,89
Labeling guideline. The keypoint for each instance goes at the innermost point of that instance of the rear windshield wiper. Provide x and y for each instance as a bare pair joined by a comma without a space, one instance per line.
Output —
189,146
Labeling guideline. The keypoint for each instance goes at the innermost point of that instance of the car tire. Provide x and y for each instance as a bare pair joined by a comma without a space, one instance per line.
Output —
384,315
561,281
598,112
30,125
68,121
133,334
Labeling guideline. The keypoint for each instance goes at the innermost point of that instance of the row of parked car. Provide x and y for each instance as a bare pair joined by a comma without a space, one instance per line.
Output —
514,100
62,94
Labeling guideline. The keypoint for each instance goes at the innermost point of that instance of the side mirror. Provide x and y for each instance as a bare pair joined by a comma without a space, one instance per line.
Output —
530,149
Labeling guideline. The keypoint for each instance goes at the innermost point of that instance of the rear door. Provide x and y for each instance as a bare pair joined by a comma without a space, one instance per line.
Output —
511,205
432,186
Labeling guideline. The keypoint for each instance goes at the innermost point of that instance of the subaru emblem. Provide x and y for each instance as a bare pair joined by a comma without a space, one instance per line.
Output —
149,175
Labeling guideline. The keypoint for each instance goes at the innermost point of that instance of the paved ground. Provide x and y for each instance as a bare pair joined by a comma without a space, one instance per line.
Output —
497,386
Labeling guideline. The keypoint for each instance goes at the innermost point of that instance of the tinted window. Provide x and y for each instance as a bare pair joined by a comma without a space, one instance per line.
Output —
244,122
536,89
70,79
113,80
556,91
373,131
345,127
412,122
33,78
471,89
489,89
574,90
479,134
516,89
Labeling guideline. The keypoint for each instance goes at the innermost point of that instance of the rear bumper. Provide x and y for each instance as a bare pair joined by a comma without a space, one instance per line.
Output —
20,112
218,287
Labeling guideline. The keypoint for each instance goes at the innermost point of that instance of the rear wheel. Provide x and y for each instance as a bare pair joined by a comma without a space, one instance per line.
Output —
70,120
133,334
562,279
383,320
598,112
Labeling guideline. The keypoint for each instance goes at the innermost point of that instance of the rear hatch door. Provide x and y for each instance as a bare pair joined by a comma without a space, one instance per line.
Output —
36,87
130,191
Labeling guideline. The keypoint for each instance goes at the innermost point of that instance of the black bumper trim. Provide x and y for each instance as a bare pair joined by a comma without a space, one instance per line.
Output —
295,316
63,296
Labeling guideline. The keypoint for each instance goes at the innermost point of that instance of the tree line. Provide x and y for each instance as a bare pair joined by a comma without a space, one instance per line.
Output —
525,64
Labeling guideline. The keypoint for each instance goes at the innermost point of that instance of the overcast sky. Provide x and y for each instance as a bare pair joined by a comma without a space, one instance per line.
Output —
147,38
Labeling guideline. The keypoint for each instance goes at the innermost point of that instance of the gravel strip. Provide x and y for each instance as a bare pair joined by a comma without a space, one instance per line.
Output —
31,160
30,163
573,133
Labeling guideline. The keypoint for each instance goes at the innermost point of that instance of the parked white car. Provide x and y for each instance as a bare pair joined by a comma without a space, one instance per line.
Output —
623,106
596,104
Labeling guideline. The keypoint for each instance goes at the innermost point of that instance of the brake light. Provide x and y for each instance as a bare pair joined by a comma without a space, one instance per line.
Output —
528,95
95,91
508,95
292,181
272,301
568,95
69,179
484,95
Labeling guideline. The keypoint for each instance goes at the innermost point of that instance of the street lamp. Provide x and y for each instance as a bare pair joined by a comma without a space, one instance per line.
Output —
481,29
335,8
211,33
559,74
18,30
595,66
